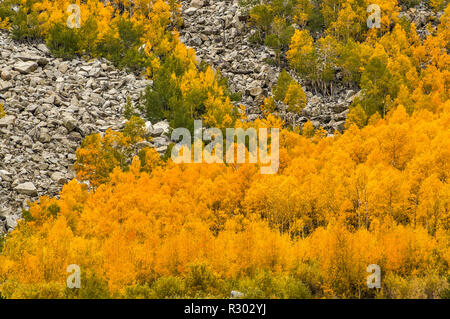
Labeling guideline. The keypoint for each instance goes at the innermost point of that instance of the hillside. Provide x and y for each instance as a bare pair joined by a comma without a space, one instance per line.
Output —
51,106
356,120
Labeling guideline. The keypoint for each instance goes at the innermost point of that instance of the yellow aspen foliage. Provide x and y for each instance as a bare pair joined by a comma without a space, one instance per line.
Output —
295,97
269,105
308,129
332,206
376,194
2,111
301,52
5,23
356,116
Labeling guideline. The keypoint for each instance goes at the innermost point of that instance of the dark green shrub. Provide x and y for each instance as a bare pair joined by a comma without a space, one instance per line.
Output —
128,109
93,287
168,287
25,26
88,34
124,50
315,21
134,128
309,273
280,90
63,41
236,96
156,98
201,281
409,3
2,243
295,289
138,292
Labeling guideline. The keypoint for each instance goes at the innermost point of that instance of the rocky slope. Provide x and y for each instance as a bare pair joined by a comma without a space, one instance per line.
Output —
218,32
220,36
50,106
215,30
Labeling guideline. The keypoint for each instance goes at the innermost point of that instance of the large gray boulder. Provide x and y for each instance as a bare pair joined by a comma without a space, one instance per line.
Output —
26,188
26,67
